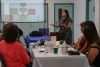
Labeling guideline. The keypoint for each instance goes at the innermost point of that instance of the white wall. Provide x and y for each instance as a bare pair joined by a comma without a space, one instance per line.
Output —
79,16
97,15
51,10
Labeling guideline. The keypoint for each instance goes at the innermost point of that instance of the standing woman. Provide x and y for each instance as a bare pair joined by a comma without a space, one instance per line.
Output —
65,26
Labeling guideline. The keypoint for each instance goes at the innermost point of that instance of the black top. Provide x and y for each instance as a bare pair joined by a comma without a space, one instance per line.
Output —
97,59
65,21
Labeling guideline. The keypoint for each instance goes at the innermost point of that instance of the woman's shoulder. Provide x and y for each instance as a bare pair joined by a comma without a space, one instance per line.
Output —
95,45
18,44
69,19
2,42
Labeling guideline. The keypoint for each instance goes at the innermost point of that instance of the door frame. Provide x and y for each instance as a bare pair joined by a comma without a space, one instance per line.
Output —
87,10
72,17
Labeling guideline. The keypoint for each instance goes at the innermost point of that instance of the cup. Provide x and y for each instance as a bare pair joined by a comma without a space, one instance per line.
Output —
55,50
33,45
61,42
50,45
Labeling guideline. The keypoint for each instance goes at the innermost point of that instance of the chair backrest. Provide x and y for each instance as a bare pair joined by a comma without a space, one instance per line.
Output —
44,31
2,61
27,45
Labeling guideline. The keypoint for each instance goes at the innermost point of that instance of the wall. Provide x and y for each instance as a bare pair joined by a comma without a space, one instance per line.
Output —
97,15
79,16
51,10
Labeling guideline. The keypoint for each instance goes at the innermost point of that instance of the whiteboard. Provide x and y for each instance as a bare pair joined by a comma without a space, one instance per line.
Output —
23,10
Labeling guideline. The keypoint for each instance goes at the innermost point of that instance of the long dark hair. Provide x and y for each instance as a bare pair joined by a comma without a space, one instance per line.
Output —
91,24
91,35
66,11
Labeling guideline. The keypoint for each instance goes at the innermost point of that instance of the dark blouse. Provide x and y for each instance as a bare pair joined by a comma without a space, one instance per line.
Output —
65,21
97,59
67,32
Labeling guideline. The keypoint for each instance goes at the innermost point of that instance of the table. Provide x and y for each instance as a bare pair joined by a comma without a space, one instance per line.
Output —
30,39
58,60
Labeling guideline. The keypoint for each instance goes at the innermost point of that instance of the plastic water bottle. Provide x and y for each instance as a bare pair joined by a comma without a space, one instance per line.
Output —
38,42
42,39
63,48
46,46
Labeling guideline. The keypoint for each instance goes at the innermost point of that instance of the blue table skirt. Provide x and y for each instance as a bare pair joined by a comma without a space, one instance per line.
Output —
30,39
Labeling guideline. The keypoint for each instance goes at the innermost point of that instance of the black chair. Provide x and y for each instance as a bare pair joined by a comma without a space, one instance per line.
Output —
2,61
44,31
27,45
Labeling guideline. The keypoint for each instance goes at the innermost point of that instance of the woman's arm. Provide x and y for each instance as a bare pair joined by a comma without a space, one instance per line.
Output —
77,47
56,25
84,47
24,55
82,50
93,52
68,26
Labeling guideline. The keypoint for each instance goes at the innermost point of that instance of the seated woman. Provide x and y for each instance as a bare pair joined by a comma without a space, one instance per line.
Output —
12,51
81,44
93,51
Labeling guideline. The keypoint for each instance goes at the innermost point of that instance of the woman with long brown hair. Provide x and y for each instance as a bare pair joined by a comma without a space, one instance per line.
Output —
81,44
93,51
13,52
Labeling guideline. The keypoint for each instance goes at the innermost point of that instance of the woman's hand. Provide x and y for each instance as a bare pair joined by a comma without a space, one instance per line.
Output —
56,25
52,24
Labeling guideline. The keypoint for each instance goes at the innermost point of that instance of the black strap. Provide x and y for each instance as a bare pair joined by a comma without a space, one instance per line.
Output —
95,47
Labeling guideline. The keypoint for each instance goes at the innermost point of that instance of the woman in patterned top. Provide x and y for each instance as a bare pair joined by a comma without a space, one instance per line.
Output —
81,44
65,25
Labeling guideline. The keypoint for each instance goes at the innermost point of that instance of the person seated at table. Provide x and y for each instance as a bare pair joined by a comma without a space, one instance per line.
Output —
81,44
91,24
20,33
13,52
93,50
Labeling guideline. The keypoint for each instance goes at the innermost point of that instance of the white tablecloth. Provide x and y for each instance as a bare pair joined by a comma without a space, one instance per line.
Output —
58,60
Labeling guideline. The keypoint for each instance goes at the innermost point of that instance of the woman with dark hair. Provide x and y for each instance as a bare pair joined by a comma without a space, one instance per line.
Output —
13,52
91,24
93,51
65,26
81,44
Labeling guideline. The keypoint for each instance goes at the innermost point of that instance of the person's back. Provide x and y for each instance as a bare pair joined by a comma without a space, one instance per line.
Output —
14,54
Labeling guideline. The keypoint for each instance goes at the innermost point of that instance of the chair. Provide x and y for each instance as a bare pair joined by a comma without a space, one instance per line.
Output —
2,62
44,31
59,35
27,45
